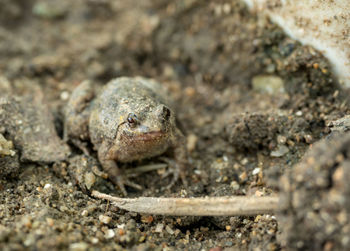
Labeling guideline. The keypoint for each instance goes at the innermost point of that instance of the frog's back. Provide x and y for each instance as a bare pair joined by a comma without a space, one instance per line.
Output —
117,99
132,89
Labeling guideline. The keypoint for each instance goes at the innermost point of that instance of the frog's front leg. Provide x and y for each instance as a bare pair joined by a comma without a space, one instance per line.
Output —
76,116
181,159
107,159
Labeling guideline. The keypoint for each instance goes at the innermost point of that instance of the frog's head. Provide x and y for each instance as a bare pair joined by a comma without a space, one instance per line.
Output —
155,125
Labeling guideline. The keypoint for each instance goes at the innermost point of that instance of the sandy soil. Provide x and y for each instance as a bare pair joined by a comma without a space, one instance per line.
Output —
250,100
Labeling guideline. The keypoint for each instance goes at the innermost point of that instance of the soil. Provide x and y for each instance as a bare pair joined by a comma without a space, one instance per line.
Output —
250,100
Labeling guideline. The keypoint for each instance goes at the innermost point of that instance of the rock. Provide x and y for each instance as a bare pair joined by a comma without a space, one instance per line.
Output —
29,124
268,84
85,172
262,130
251,131
321,24
6,147
79,246
109,234
280,151
315,198
9,162
104,219
159,228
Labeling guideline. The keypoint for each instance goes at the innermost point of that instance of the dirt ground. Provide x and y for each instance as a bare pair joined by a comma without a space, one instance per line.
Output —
250,100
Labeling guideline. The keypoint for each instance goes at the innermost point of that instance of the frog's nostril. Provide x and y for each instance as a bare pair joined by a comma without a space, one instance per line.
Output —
166,113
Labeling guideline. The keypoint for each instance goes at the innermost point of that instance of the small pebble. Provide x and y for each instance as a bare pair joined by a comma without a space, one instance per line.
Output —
234,185
29,241
299,113
27,222
268,84
104,219
146,219
6,146
243,176
308,138
142,238
280,151
169,230
50,222
47,186
256,171
94,240
290,143
79,246
64,209
159,228
236,166
244,161
85,213
177,232
64,95
198,172
109,234
89,179
281,139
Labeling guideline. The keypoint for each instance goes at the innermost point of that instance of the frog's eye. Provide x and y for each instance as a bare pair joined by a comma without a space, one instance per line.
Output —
166,113
132,119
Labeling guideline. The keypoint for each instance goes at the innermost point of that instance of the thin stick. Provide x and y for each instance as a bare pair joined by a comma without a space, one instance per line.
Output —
207,206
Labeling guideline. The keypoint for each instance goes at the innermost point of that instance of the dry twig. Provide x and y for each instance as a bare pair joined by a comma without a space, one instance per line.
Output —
207,206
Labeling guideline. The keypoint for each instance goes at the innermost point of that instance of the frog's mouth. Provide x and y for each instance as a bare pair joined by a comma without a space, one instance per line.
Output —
140,134
149,136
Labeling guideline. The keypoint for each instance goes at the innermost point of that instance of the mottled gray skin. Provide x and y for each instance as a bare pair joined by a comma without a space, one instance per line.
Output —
104,121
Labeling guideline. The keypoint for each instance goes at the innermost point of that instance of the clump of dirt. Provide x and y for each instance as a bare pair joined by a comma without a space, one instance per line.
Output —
9,161
253,131
13,12
84,171
257,131
29,124
315,193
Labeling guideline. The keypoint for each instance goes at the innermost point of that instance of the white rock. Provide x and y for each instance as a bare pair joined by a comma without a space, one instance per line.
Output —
109,234
268,84
325,25
256,171
159,228
47,186
85,213
280,151
104,219
169,230
79,246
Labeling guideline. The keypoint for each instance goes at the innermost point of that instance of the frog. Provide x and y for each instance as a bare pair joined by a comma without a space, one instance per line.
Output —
130,119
